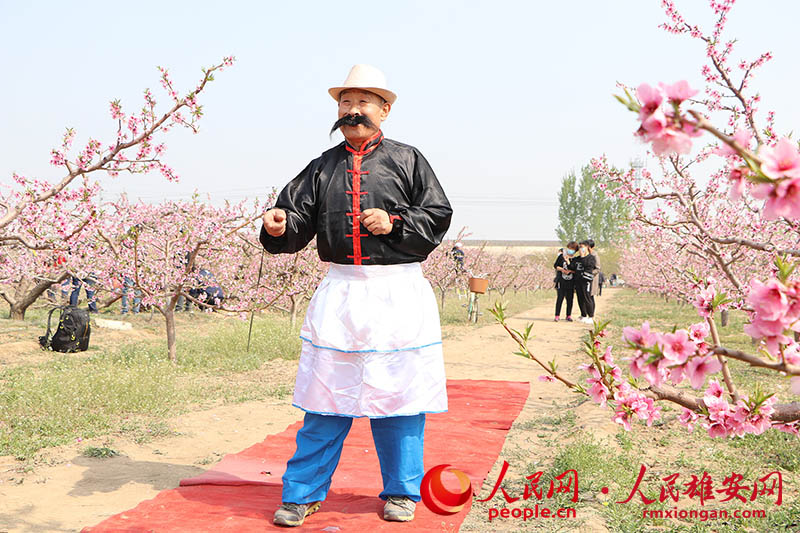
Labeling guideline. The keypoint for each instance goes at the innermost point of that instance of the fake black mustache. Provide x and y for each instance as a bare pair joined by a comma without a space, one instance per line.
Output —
353,120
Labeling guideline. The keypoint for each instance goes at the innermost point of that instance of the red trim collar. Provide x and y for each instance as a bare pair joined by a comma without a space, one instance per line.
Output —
367,146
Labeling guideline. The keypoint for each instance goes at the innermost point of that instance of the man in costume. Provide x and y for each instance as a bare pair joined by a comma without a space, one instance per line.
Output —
371,337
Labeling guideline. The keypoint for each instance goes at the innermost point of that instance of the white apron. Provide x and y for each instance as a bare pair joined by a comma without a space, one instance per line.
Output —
372,344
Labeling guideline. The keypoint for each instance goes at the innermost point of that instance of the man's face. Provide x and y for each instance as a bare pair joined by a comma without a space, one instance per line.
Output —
357,102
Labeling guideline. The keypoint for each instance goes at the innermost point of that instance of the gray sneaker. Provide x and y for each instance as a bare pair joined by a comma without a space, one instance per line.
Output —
293,514
399,509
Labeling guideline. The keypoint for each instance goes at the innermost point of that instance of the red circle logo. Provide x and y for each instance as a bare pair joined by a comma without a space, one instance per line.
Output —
440,499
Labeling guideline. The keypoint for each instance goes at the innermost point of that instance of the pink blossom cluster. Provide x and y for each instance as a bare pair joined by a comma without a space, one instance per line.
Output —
723,419
166,83
85,158
629,402
671,356
57,158
780,162
604,377
116,110
775,311
663,125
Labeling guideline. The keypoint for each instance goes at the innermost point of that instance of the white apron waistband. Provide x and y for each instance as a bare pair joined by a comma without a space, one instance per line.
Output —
356,272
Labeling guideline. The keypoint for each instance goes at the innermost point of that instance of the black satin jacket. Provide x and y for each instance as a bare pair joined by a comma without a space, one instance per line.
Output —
328,196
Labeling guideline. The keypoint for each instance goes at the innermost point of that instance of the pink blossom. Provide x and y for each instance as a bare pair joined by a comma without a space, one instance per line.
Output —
677,347
623,417
768,299
672,141
781,160
782,199
598,390
57,159
116,111
653,125
607,357
699,331
738,180
640,337
702,301
653,373
688,419
677,374
718,408
716,430
714,389
698,367
678,91
630,401
651,99
791,354
547,378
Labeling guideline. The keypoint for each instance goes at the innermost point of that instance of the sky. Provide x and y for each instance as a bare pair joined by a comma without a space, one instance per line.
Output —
503,98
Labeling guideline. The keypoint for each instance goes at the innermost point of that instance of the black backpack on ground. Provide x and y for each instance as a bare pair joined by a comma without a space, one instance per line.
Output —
72,333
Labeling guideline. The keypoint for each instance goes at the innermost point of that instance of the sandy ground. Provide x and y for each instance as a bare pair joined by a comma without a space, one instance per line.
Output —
75,491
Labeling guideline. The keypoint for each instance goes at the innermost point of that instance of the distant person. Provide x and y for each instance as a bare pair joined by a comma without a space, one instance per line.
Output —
458,256
565,283
601,280
612,281
87,281
127,289
585,266
596,273
208,292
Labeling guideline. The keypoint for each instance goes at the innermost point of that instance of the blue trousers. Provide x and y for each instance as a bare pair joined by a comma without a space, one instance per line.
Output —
398,442
87,283
127,287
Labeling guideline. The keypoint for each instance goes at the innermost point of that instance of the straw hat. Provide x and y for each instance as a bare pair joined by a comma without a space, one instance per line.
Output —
367,78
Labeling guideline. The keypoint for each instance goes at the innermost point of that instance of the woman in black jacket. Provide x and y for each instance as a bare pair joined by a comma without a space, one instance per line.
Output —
565,280
585,266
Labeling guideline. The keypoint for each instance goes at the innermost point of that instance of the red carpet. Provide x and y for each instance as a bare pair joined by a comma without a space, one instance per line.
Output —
244,489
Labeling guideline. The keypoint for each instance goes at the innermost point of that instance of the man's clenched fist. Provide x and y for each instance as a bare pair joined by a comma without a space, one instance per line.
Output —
275,222
376,221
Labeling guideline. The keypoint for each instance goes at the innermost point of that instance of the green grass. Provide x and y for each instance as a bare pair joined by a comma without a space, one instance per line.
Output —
99,453
130,388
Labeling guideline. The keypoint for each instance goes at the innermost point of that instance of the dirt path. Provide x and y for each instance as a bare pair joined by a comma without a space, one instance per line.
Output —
75,491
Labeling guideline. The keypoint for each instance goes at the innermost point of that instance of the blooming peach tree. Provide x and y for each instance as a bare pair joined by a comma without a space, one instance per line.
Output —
37,215
162,247
721,242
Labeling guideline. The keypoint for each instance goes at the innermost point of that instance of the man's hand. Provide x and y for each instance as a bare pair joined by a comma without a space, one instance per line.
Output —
275,222
376,221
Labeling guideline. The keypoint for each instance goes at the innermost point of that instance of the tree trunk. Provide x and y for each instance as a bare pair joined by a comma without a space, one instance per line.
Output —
444,292
26,292
169,316
293,311
16,312
724,317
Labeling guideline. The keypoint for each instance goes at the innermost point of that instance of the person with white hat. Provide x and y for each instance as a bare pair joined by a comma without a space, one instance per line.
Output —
371,338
